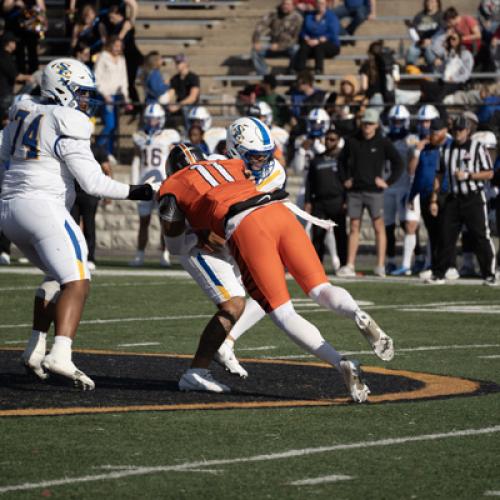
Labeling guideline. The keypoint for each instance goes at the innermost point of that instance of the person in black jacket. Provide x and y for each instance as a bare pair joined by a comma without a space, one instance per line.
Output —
362,164
325,198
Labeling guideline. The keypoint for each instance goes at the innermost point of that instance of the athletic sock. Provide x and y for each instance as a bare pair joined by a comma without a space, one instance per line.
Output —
62,348
409,242
331,245
335,298
305,334
252,314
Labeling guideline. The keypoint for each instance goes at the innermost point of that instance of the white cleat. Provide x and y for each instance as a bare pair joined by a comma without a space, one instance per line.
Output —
4,259
227,359
33,363
381,343
68,369
351,372
165,259
200,379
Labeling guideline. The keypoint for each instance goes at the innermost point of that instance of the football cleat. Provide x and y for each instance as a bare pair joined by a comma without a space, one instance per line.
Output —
67,369
425,275
401,271
390,267
200,379
4,259
227,359
351,371
165,259
346,272
138,260
491,281
380,342
32,361
452,274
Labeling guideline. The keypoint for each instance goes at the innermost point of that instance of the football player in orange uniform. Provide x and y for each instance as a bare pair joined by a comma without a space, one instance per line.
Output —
265,238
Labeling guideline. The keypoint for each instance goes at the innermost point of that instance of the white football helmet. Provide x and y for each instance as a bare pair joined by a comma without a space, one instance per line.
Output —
250,140
262,111
486,137
399,119
200,115
318,122
154,118
427,112
70,83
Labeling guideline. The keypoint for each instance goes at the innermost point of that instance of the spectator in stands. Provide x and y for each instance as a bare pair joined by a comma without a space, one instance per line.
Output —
455,67
344,106
306,96
195,137
489,110
268,94
325,197
283,26
358,11
86,29
81,53
115,23
304,6
495,49
488,16
362,164
112,82
155,87
27,21
85,208
466,26
186,86
8,73
319,37
425,25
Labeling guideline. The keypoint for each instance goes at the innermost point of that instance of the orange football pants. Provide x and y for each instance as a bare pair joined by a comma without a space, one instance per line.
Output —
265,243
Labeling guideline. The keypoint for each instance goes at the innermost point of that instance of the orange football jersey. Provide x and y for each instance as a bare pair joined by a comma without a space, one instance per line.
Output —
206,190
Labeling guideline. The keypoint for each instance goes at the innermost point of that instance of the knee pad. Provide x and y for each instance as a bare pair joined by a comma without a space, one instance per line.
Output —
49,291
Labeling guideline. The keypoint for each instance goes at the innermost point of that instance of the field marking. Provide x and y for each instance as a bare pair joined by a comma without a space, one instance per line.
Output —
142,471
139,344
177,273
403,349
492,493
8,342
93,285
261,348
320,480
494,356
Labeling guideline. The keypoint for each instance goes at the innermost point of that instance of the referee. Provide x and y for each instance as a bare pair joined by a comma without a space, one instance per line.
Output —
466,164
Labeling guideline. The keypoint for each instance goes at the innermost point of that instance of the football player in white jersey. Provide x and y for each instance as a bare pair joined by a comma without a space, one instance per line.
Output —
396,196
152,146
199,115
47,145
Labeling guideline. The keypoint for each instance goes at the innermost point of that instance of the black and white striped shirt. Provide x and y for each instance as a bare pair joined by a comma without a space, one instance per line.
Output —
471,157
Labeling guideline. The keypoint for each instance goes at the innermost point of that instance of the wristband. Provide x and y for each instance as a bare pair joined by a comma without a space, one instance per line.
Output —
141,192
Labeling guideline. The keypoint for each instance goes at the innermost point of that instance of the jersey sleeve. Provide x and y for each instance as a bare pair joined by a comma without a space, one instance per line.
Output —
78,157
72,123
275,180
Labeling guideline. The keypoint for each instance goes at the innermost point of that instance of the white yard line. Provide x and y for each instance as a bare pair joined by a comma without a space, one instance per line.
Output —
496,356
93,285
203,464
139,344
261,348
8,342
492,493
403,349
320,480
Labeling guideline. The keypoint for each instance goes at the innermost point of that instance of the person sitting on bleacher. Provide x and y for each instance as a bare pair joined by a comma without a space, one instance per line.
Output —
155,87
358,11
424,26
319,37
466,26
283,26
86,30
488,16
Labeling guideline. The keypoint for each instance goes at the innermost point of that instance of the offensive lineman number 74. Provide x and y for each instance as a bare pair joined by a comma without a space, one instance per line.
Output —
30,137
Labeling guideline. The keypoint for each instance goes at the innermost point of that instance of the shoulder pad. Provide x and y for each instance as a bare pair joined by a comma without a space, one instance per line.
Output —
138,138
170,135
72,123
27,104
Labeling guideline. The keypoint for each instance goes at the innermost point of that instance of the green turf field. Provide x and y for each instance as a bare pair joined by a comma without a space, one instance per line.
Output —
426,449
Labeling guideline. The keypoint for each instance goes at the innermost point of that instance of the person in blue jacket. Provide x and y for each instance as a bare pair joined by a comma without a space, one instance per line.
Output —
319,37
358,11
155,87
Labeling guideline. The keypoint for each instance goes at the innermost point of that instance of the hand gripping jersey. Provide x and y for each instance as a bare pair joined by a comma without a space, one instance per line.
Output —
205,192
48,147
154,149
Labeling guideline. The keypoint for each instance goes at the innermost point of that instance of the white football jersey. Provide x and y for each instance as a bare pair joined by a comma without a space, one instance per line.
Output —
154,149
275,180
213,136
47,148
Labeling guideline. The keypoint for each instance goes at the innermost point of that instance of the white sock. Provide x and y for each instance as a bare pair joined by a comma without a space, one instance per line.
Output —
252,314
409,243
335,298
62,347
37,342
305,334
331,244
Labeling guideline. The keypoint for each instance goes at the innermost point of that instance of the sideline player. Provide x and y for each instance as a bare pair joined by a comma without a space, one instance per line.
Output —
48,147
264,237
152,144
